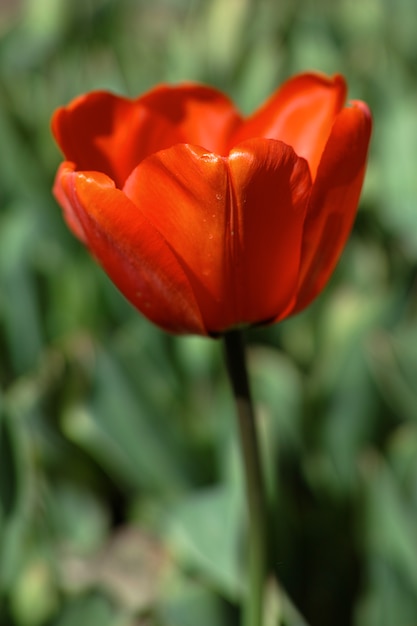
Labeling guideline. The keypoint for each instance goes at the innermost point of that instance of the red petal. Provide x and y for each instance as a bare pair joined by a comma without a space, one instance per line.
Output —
301,114
133,254
107,133
271,186
334,200
202,115
234,223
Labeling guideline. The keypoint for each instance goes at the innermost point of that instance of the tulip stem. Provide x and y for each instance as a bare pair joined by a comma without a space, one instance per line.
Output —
255,492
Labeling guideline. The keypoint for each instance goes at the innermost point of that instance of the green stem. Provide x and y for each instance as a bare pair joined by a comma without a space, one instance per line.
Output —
257,525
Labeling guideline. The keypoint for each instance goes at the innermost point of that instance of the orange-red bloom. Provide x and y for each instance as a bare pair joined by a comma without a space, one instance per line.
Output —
207,220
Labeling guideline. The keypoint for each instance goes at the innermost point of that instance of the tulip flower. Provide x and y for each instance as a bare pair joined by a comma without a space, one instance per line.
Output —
207,220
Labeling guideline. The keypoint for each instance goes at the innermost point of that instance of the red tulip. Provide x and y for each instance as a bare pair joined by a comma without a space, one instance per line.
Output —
207,220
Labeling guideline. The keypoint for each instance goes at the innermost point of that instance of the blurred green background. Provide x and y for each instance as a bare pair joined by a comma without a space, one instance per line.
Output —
120,486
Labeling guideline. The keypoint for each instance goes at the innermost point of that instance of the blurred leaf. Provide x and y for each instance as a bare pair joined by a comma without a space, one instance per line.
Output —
14,495
398,156
393,358
205,532
82,533
277,392
189,604
386,600
35,596
402,454
348,318
347,423
345,413
389,538
318,49
91,609
9,468
389,533
277,388
224,44
19,310
119,431
17,172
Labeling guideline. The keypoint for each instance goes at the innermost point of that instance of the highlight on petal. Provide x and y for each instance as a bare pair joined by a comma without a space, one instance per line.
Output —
334,200
234,223
184,193
300,113
132,252
111,134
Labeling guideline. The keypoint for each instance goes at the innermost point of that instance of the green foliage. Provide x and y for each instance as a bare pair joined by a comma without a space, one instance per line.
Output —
120,485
